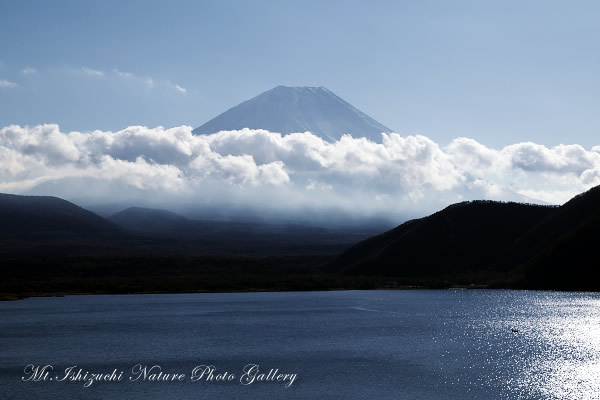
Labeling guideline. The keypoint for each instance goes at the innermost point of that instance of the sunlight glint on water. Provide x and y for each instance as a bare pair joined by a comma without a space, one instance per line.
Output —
343,345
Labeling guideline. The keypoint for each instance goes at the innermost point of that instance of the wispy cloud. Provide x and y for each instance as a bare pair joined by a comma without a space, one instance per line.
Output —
176,87
92,72
29,71
180,89
7,84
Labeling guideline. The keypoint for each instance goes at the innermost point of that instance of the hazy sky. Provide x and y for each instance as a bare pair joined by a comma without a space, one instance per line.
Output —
500,72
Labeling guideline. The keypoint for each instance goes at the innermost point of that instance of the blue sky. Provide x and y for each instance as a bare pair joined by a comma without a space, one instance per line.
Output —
500,72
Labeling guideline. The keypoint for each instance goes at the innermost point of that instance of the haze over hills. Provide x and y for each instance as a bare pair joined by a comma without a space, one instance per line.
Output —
237,237
42,225
298,109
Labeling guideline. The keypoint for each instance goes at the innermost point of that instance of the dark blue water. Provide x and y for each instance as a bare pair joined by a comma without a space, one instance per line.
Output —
451,344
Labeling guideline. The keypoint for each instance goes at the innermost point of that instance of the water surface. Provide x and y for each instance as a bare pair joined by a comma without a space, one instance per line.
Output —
446,344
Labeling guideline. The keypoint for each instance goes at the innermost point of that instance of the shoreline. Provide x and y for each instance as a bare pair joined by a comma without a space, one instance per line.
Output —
10,297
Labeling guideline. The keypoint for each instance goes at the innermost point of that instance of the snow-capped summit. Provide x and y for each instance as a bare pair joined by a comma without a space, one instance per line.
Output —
298,109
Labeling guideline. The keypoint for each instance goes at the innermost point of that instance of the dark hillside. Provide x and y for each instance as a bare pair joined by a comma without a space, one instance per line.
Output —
23,215
462,237
562,223
150,221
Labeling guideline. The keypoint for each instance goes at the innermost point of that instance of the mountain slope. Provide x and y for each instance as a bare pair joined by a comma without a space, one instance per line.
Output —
298,109
511,244
570,263
33,226
560,252
463,237
151,221
49,215
578,211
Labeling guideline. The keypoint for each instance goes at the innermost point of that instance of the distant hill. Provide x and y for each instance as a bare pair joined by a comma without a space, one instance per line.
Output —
36,215
152,221
49,225
235,237
298,109
39,225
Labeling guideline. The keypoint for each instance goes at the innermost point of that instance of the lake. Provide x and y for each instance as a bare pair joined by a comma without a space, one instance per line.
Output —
415,344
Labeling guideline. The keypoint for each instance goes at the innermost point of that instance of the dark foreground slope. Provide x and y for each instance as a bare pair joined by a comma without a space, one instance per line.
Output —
563,248
461,238
563,221
503,244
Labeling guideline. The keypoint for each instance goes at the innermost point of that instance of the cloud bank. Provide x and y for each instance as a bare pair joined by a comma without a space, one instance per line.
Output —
269,173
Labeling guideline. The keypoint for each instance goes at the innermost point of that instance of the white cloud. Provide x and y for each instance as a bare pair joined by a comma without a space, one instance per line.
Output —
92,72
7,84
563,158
265,171
29,71
140,174
175,87
180,89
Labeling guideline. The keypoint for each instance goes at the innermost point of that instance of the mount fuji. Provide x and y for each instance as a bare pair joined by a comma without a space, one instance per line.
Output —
298,109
